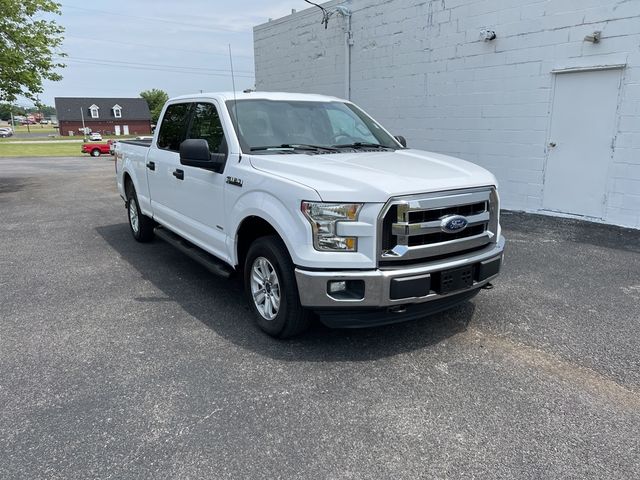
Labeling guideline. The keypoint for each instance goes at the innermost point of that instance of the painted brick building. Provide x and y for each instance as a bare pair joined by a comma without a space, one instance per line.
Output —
551,107
109,116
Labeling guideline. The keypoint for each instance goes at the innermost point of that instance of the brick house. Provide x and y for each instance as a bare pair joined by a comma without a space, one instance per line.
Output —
109,116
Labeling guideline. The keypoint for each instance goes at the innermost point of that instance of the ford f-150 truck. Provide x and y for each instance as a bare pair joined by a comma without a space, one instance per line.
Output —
319,207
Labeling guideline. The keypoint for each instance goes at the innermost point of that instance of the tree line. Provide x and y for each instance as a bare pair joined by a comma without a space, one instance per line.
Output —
6,109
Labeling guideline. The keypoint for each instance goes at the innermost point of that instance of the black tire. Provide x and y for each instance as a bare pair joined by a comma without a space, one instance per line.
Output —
144,231
291,318
95,152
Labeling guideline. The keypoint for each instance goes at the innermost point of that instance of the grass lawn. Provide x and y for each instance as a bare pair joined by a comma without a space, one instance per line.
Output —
35,139
35,129
44,149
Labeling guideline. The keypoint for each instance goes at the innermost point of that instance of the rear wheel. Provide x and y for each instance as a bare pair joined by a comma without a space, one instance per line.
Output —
95,152
271,289
141,225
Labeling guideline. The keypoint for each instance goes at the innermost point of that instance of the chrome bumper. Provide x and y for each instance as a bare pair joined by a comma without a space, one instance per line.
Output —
313,285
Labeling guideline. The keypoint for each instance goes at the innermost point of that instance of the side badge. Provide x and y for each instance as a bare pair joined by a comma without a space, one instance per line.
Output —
234,181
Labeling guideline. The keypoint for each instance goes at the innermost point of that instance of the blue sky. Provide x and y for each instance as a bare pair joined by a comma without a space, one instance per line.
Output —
121,47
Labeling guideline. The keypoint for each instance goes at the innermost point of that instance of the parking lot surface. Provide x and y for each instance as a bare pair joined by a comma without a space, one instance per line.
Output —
122,360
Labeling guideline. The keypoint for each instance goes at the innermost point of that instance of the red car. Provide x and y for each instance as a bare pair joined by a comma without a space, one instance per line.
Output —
95,149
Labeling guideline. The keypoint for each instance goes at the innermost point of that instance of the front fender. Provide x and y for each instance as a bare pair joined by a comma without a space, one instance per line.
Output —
291,225
286,222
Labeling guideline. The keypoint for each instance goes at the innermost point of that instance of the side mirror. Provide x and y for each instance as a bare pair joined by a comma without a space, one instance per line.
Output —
194,152
401,140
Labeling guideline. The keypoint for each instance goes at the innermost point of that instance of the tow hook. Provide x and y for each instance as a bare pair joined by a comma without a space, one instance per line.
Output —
398,309
487,286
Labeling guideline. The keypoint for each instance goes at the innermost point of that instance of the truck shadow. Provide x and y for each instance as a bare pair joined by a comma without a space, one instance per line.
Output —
220,305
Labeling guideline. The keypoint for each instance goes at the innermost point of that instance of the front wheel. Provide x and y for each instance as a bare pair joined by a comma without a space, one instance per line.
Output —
271,289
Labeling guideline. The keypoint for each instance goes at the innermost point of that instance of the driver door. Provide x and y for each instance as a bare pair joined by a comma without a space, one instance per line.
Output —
199,203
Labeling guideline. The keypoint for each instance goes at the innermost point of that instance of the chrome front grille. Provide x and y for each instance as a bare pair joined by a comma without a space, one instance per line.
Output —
412,230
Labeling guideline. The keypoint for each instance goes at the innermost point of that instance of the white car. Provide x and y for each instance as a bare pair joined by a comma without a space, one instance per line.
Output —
95,137
6,132
316,205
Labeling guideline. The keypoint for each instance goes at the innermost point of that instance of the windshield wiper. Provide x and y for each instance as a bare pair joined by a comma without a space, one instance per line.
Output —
294,146
362,145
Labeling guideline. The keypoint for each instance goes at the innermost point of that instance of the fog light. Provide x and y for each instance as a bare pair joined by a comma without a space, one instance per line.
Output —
346,289
335,287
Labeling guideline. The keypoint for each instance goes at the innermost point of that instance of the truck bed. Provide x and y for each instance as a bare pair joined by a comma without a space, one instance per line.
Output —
140,143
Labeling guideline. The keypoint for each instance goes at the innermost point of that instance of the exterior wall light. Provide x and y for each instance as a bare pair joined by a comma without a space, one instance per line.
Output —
594,37
488,35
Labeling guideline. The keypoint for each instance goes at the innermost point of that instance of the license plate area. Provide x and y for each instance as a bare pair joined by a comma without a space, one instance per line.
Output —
452,280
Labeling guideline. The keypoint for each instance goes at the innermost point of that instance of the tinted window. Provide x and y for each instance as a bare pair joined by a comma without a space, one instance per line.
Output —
205,124
347,126
261,123
173,126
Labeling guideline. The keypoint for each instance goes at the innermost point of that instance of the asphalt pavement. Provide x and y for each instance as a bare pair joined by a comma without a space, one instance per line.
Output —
121,360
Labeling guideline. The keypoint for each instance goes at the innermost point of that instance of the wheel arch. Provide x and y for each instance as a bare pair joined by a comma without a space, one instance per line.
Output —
281,214
126,181
249,230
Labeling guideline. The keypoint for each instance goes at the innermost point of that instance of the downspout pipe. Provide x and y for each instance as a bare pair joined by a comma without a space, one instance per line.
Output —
348,43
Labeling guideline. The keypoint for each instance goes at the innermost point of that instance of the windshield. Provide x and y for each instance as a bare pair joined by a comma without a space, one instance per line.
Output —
278,126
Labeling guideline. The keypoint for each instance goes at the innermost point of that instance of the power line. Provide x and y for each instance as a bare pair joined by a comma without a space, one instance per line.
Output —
152,69
325,14
153,65
129,44
151,19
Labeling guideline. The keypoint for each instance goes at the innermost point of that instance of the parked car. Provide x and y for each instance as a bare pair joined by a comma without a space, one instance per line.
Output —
6,132
95,137
95,149
316,205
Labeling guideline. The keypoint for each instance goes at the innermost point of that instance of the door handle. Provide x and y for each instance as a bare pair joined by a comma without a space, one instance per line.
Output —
179,174
151,165
552,144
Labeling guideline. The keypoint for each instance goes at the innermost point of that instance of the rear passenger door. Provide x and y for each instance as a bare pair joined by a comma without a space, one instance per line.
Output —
162,163
199,201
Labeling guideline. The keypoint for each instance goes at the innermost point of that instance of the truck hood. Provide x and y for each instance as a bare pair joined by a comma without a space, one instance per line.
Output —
374,176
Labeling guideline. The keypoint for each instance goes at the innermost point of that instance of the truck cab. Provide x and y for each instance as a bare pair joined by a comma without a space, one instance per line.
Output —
319,208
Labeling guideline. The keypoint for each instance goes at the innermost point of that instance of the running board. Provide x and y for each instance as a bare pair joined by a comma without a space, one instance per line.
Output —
208,261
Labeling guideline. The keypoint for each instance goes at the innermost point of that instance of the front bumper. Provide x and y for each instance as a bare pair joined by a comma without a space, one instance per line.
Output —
384,287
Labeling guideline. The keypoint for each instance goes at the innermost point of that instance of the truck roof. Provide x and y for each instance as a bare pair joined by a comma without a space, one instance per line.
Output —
224,96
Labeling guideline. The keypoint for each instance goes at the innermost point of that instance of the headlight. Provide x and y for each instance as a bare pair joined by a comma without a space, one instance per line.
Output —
324,218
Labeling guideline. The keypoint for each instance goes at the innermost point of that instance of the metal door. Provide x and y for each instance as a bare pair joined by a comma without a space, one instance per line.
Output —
581,141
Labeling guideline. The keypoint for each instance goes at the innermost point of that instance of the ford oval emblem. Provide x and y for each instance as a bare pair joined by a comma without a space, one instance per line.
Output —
453,224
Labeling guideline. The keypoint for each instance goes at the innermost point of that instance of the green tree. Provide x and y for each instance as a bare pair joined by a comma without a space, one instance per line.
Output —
7,108
28,45
156,99
47,110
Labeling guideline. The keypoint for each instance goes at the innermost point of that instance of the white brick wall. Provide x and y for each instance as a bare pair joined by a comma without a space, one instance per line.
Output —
420,68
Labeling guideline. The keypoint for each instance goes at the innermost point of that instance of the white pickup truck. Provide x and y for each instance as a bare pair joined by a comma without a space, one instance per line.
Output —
321,209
